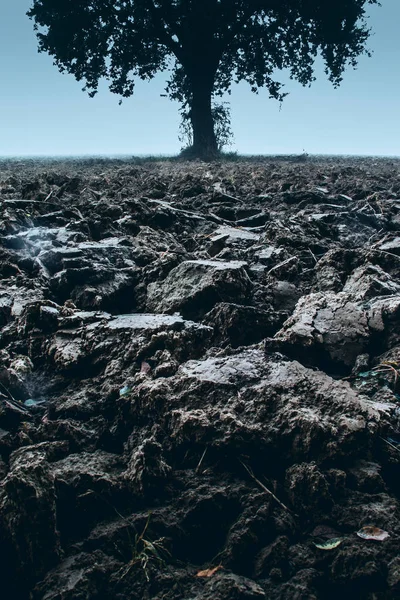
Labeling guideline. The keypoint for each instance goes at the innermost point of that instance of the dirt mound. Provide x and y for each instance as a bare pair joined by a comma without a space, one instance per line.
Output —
199,380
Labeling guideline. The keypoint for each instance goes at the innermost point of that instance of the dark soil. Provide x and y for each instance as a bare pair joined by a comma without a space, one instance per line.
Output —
199,368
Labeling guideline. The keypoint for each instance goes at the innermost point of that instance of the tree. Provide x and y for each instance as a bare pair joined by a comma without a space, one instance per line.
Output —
205,45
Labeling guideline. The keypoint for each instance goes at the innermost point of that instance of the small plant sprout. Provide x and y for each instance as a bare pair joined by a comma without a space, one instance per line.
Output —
143,552
388,367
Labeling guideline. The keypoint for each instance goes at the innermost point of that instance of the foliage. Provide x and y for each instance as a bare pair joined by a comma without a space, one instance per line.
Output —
144,551
205,45
221,115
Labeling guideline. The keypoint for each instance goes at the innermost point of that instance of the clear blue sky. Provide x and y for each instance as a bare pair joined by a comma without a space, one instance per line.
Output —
44,112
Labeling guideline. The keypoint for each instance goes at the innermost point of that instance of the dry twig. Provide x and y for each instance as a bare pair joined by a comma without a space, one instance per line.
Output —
391,445
281,264
262,486
201,459
388,366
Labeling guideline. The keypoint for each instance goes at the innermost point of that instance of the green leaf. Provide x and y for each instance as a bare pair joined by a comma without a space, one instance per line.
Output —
329,544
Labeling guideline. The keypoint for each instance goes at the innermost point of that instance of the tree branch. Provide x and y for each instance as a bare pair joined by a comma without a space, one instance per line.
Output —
251,8
159,22
231,33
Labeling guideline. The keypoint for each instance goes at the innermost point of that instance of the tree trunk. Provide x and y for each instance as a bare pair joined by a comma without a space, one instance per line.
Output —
204,140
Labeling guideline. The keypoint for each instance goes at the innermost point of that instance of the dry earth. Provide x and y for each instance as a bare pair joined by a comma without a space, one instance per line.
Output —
199,368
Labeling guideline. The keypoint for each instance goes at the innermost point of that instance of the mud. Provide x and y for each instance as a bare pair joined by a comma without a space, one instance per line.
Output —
199,379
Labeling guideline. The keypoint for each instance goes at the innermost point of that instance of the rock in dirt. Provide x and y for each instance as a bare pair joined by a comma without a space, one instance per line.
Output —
258,404
331,330
325,327
194,287
238,325
370,281
28,505
79,348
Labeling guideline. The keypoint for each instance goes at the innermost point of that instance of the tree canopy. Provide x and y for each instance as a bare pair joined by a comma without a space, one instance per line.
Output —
205,45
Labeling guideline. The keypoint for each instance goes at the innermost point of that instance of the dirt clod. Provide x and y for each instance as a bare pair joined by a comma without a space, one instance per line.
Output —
200,374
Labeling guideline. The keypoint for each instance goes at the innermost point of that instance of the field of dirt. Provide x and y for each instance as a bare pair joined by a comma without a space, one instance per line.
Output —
200,379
